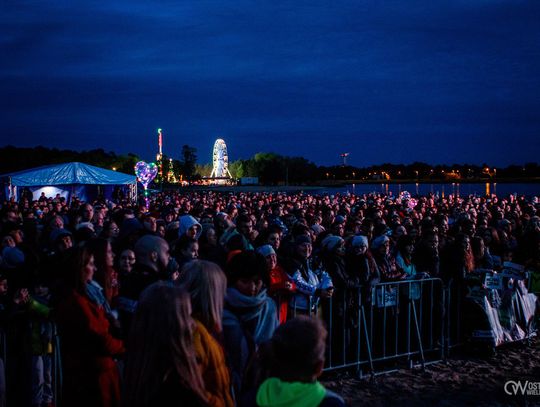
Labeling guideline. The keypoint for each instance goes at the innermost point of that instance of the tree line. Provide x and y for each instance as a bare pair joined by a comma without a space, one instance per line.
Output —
270,168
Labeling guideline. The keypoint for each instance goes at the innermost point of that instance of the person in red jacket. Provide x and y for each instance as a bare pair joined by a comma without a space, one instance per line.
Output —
88,349
280,285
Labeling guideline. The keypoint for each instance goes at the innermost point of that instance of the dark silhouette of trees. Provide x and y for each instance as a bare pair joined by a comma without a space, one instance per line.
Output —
15,159
188,159
270,168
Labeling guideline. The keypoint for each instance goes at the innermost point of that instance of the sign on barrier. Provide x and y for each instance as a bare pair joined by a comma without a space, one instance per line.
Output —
493,281
385,296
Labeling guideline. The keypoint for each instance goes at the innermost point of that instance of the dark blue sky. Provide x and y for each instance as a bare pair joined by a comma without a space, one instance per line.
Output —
388,81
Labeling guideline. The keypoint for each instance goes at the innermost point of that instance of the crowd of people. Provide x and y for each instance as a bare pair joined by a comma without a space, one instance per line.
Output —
205,298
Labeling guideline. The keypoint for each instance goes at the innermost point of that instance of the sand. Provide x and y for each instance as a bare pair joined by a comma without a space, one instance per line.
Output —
464,379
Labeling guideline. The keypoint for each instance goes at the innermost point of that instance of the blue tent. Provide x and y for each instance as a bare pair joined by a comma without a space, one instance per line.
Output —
69,179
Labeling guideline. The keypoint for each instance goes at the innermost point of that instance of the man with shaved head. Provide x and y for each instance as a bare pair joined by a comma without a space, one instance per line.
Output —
153,256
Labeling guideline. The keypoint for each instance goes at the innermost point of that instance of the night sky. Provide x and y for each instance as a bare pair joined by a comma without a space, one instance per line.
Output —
454,81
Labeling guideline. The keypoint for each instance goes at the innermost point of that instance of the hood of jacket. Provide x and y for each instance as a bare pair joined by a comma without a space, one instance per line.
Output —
186,222
276,393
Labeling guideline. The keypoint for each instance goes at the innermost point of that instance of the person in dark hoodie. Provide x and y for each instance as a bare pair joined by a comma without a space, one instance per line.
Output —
190,227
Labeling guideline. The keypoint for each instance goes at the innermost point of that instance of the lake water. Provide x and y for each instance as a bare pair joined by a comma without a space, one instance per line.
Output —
483,189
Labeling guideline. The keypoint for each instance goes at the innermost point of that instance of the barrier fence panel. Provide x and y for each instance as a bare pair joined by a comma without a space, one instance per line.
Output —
57,368
397,322
453,330
3,355
486,309
391,325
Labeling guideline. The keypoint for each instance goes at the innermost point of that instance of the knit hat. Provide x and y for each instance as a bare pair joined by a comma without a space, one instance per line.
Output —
301,239
317,228
266,250
221,215
379,241
12,257
359,240
129,226
330,242
57,234
339,219
88,225
173,225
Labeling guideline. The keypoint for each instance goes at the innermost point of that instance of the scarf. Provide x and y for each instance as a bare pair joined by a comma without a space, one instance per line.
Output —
95,293
245,309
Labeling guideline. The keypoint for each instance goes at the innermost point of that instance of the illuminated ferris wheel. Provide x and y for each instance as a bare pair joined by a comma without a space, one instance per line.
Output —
220,160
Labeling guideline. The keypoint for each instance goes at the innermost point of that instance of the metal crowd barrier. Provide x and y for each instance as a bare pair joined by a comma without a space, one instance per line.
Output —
453,330
410,322
395,323
3,355
56,365
57,368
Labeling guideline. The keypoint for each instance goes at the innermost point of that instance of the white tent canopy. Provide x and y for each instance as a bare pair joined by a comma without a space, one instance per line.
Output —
68,179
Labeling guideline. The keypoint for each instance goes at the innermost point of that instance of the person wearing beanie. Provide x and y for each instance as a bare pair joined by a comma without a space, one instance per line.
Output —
150,224
280,285
337,228
386,262
317,229
330,242
359,240
131,227
344,311
333,260
379,241
361,267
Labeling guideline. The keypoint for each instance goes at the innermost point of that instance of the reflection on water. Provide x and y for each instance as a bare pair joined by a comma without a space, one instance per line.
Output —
456,189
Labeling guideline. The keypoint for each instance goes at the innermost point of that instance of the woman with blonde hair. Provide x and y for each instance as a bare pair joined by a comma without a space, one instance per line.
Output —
207,284
161,366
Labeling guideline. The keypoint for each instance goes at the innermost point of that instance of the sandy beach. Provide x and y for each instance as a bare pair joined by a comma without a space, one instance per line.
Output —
465,379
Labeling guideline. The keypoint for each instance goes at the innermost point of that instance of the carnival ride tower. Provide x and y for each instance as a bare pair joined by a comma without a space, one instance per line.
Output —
220,160
159,156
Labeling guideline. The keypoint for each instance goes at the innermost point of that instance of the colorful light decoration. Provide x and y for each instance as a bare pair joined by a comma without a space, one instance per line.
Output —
406,196
159,157
145,173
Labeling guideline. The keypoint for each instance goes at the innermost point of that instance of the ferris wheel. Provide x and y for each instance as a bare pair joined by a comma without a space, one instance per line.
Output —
220,160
